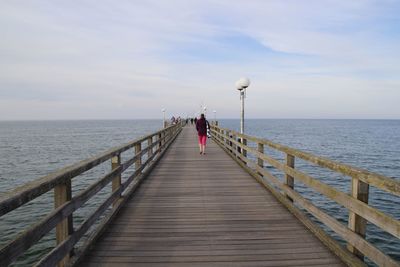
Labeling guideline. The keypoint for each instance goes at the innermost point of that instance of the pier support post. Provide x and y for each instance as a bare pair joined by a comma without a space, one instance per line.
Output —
63,194
138,163
116,182
289,180
260,162
360,191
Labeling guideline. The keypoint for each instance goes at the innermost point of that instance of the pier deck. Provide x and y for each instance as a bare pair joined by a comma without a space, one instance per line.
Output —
205,210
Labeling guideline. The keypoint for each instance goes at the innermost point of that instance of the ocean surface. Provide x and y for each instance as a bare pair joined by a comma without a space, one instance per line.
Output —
29,150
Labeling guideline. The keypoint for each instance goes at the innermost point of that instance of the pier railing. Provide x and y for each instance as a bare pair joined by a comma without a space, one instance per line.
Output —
238,146
150,148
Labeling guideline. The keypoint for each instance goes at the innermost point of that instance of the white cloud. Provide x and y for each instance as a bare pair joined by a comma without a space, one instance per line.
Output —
120,60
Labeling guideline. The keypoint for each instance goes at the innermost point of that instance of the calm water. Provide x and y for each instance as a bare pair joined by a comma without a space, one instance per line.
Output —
29,150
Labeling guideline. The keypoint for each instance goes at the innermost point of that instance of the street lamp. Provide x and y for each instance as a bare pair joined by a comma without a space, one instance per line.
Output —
163,111
241,85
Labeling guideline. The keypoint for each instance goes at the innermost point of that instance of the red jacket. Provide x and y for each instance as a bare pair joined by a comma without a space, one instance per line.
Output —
202,126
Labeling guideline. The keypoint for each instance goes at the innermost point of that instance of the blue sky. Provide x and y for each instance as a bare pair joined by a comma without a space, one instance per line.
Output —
129,59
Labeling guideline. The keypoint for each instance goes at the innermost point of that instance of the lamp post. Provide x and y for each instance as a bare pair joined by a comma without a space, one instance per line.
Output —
163,111
215,115
241,85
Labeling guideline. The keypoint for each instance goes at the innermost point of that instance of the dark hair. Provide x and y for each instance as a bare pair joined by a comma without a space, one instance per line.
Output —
202,115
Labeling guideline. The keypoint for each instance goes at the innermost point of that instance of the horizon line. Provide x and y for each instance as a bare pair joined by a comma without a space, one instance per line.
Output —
212,119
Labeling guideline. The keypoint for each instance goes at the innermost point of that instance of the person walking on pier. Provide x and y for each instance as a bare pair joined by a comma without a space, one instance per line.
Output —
201,127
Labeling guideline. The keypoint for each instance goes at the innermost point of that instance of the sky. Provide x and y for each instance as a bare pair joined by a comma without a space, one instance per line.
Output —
121,59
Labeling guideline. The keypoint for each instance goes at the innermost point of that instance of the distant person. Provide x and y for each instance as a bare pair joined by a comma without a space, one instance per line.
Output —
191,121
201,127
195,121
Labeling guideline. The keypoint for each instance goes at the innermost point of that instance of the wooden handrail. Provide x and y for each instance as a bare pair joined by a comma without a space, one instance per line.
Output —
17,197
61,216
374,179
357,204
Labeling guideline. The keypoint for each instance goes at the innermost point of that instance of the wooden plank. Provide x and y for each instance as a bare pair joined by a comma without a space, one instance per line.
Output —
211,252
319,263
210,258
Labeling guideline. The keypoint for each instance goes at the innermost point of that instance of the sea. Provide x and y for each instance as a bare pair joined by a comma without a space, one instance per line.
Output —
32,149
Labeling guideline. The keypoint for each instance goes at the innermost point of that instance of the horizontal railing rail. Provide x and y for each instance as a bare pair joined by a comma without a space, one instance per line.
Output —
66,204
360,212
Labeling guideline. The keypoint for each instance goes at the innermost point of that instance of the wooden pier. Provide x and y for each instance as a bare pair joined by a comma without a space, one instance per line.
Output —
180,208
204,210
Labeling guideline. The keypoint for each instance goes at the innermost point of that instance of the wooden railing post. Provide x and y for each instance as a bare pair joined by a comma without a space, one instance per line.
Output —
239,148
289,180
168,135
164,137
244,151
149,144
138,163
63,194
260,162
360,191
159,141
226,138
230,143
234,145
116,182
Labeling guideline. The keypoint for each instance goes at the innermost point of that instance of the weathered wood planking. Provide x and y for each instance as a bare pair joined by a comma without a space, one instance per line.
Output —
205,210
